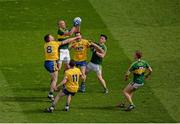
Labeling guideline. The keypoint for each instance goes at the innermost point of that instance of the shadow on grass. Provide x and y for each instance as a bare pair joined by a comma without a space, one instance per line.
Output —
23,99
100,108
37,89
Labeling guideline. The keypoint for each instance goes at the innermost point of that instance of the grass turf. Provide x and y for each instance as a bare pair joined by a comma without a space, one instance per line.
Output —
25,82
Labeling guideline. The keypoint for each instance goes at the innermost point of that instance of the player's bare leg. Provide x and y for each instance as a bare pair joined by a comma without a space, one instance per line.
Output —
57,98
68,100
54,78
59,65
102,81
83,71
128,92
66,65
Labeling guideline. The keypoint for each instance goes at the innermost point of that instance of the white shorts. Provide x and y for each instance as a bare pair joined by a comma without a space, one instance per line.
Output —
64,56
136,85
94,67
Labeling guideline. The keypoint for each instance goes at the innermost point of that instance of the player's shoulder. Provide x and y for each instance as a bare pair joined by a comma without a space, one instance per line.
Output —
55,42
134,63
104,47
76,69
84,40
144,61
50,43
60,31
70,70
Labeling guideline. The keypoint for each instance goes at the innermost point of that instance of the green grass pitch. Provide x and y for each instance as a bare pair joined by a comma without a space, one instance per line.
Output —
152,26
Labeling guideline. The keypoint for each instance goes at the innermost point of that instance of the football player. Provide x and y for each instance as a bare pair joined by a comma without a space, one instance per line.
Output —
139,69
70,85
96,61
64,33
51,57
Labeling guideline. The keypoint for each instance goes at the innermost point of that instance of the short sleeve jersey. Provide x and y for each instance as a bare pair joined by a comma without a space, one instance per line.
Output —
138,69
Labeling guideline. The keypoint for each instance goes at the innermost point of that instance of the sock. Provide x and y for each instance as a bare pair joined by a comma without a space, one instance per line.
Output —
50,93
82,83
67,104
53,105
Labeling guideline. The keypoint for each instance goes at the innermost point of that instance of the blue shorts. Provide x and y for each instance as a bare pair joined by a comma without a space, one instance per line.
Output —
81,63
51,66
66,92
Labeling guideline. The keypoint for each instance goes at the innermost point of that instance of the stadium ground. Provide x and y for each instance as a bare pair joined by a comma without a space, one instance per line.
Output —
151,26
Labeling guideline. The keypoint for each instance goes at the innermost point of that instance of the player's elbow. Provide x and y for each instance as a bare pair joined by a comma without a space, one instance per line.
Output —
150,70
103,55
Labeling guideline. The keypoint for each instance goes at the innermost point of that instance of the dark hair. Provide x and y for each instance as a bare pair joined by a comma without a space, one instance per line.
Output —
103,35
46,38
72,63
138,54
77,32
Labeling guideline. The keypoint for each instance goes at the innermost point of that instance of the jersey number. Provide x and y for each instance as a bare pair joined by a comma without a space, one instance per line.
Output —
49,49
75,78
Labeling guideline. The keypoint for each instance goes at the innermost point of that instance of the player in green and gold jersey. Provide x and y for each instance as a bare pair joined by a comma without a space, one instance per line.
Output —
63,34
70,85
141,70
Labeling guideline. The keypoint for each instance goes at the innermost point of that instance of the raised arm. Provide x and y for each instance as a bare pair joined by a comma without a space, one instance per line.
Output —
74,29
99,51
98,48
70,40
102,55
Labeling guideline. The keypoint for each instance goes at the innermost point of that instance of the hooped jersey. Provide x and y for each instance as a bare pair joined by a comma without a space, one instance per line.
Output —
61,36
138,69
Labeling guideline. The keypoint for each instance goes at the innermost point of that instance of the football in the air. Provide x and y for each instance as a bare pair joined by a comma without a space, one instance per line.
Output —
77,21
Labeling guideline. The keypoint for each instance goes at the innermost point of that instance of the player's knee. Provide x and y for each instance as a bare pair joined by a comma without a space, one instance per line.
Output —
84,77
100,78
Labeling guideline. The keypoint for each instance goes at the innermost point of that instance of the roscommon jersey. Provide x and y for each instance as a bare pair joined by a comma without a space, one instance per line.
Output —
51,50
72,83
80,49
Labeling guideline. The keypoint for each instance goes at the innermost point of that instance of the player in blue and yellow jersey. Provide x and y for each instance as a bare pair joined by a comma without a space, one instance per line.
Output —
141,70
70,85
51,57
63,34
80,48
